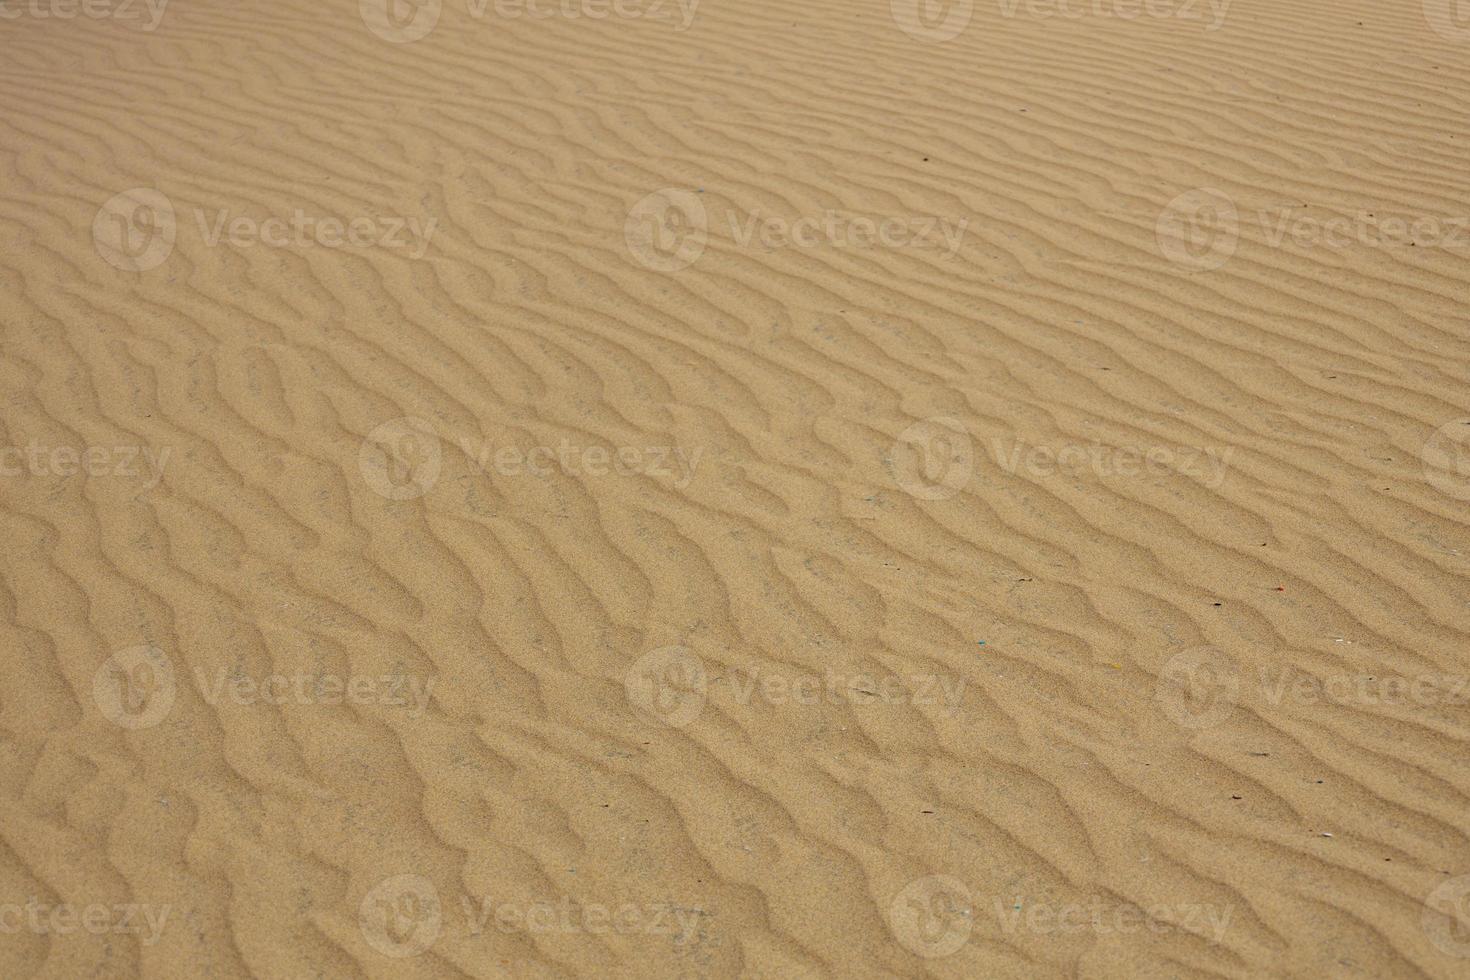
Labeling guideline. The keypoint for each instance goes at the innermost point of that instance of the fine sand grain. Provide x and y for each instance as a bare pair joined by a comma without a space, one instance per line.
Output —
646,488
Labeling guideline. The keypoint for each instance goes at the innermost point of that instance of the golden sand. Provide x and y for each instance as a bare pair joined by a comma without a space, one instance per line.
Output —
661,488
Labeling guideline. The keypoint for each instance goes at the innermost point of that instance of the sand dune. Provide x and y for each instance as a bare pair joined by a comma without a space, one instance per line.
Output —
686,488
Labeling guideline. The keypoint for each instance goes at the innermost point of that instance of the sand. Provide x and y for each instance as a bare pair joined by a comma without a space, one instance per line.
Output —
734,489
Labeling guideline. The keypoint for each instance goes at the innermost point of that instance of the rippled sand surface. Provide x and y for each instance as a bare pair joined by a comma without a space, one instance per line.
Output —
663,488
